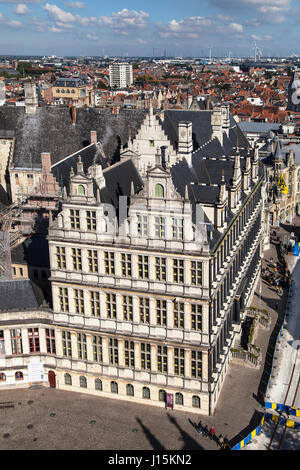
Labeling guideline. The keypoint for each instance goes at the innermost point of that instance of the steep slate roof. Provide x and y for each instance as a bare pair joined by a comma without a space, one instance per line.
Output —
51,130
89,155
202,132
20,294
118,180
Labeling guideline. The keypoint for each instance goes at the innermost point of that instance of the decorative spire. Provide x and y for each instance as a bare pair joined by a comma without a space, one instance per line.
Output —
237,165
79,165
248,161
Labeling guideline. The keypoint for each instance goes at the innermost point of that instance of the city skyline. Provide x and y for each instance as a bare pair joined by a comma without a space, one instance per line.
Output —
215,27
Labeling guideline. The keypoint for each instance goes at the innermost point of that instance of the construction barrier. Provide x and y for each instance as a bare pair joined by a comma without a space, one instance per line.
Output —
275,406
250,436
289,423
284,408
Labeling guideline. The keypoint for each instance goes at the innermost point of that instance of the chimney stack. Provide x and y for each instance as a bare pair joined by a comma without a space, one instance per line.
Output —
185,141
2,91
93,137
31,99
46,163
74,115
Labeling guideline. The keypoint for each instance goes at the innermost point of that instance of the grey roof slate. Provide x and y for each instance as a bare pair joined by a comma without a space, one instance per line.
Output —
20,294
259,127
51,130
202,132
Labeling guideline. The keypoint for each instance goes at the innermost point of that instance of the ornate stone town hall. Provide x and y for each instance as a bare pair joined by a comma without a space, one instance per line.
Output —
153,261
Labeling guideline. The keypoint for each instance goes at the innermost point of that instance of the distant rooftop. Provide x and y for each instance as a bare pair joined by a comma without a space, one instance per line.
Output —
259,127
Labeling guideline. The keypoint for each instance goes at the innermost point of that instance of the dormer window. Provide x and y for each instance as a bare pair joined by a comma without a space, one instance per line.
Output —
80,190
159,191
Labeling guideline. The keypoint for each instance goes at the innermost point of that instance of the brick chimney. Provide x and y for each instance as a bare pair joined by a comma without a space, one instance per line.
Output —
46,162
74,115
93,137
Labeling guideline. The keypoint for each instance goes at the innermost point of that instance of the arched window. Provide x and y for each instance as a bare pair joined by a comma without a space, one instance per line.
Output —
130,390
159,190
179,398
196,401
2,377
146,392
114,387
68,379
80,190
162,395
98,385
298,174
19,375
82,382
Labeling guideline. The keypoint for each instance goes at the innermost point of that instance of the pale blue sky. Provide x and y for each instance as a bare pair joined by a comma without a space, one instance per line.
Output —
135,28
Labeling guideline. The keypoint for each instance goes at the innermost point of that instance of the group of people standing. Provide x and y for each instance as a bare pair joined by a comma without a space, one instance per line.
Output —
221,440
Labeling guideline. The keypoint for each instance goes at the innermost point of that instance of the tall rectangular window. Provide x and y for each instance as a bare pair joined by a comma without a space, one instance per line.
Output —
160,269
113,351
160,227
60,255
95,303
178,315
196,317
127,307
143,267
66,344
74,218
196,273
81,345
91,223
109,262
63,299
162,359
178,271
146,356
16,341
33,340
93,261
126,265
50,341
177,228
161,312
144,308
142,225
97,349
129,353
196,364
76,259
111,306
179,361
79,301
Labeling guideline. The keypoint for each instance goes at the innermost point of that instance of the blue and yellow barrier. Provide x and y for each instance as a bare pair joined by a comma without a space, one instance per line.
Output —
250,436
289,423
279,407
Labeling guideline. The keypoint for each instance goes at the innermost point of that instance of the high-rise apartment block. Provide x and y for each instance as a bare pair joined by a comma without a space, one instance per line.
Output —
120,75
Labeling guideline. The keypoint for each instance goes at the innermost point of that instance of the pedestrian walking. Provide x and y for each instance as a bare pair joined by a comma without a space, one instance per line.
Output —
212,432
221,440
200,428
